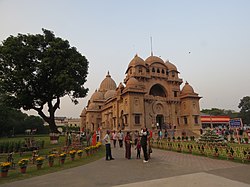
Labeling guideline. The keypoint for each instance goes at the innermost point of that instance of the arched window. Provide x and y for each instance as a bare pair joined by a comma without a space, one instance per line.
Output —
158,90
162,71
140,70
153,69
173,74
158,70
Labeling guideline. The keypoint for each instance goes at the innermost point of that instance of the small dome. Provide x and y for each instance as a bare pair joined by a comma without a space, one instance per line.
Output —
153,59
121,86
83,113
107,84
132,82
97,96
92,106
109,94
187,89
136,61
171,66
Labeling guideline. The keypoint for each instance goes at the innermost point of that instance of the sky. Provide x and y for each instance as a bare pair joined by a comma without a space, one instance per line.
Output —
208,41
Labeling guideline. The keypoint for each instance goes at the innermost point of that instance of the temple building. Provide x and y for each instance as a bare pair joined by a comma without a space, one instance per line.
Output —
150,96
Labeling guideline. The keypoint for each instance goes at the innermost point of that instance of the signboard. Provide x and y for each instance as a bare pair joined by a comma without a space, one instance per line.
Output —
235,123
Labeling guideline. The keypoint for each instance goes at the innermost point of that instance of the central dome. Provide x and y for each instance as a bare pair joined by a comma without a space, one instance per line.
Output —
107,84
153,59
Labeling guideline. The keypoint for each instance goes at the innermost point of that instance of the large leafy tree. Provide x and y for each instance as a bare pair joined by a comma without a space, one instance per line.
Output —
244,106
37,70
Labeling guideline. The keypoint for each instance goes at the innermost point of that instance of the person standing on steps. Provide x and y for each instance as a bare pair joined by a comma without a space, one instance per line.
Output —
108,147
144,139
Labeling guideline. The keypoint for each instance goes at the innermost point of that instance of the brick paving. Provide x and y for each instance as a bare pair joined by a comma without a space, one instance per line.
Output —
164,168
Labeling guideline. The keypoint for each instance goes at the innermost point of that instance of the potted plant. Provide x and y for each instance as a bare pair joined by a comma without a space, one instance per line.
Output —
87,150
23,163
246,140
190,147
173,138
231,154
51,158
216,153
232,139
5,166
62,157
39,162
72,154
79,153
98,145
178,147
178,138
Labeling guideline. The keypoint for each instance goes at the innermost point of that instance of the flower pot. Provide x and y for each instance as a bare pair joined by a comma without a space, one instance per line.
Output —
4,173
39,166
23,169
54,137
216,154
62,161
51,164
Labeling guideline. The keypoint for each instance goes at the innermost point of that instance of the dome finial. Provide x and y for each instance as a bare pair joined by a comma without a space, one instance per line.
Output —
108,75
151,44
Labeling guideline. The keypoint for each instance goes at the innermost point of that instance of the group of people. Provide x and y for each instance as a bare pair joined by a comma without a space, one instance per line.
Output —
139,140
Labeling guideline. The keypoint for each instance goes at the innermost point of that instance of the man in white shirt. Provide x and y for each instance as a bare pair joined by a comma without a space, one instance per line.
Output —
108,147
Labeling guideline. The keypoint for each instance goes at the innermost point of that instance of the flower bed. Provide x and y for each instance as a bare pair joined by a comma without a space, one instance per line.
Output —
230,152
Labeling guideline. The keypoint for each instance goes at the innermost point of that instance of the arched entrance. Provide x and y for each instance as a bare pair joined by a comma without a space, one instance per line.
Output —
158,90
159,121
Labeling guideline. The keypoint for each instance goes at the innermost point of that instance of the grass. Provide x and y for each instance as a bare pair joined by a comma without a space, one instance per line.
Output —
14,174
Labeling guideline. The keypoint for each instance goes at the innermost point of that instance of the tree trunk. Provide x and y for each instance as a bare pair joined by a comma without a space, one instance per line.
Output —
52,126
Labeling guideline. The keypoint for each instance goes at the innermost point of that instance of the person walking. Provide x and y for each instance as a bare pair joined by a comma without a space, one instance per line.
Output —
120,138
108,147
128,140
144,139
114,138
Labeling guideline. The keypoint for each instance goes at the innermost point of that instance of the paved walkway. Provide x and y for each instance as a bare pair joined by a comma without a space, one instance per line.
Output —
164,169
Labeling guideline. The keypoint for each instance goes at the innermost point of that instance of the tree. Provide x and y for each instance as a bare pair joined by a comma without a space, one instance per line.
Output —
220,112
244,106
37,70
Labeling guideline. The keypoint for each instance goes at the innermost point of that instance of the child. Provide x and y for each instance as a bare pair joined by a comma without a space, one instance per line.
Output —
138,149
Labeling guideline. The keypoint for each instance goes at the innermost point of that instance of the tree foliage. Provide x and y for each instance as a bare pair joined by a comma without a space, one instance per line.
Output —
37,70
244,106
220,112
13,122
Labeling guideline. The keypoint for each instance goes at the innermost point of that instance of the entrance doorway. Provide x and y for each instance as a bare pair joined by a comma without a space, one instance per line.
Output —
159,121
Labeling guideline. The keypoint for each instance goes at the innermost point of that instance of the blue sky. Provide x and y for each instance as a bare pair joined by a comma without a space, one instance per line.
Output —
109,33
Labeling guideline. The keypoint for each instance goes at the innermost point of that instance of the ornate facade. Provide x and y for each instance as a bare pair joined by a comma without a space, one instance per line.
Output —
150,96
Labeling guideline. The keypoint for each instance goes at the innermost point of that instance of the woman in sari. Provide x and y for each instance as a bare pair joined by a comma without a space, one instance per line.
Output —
128,140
